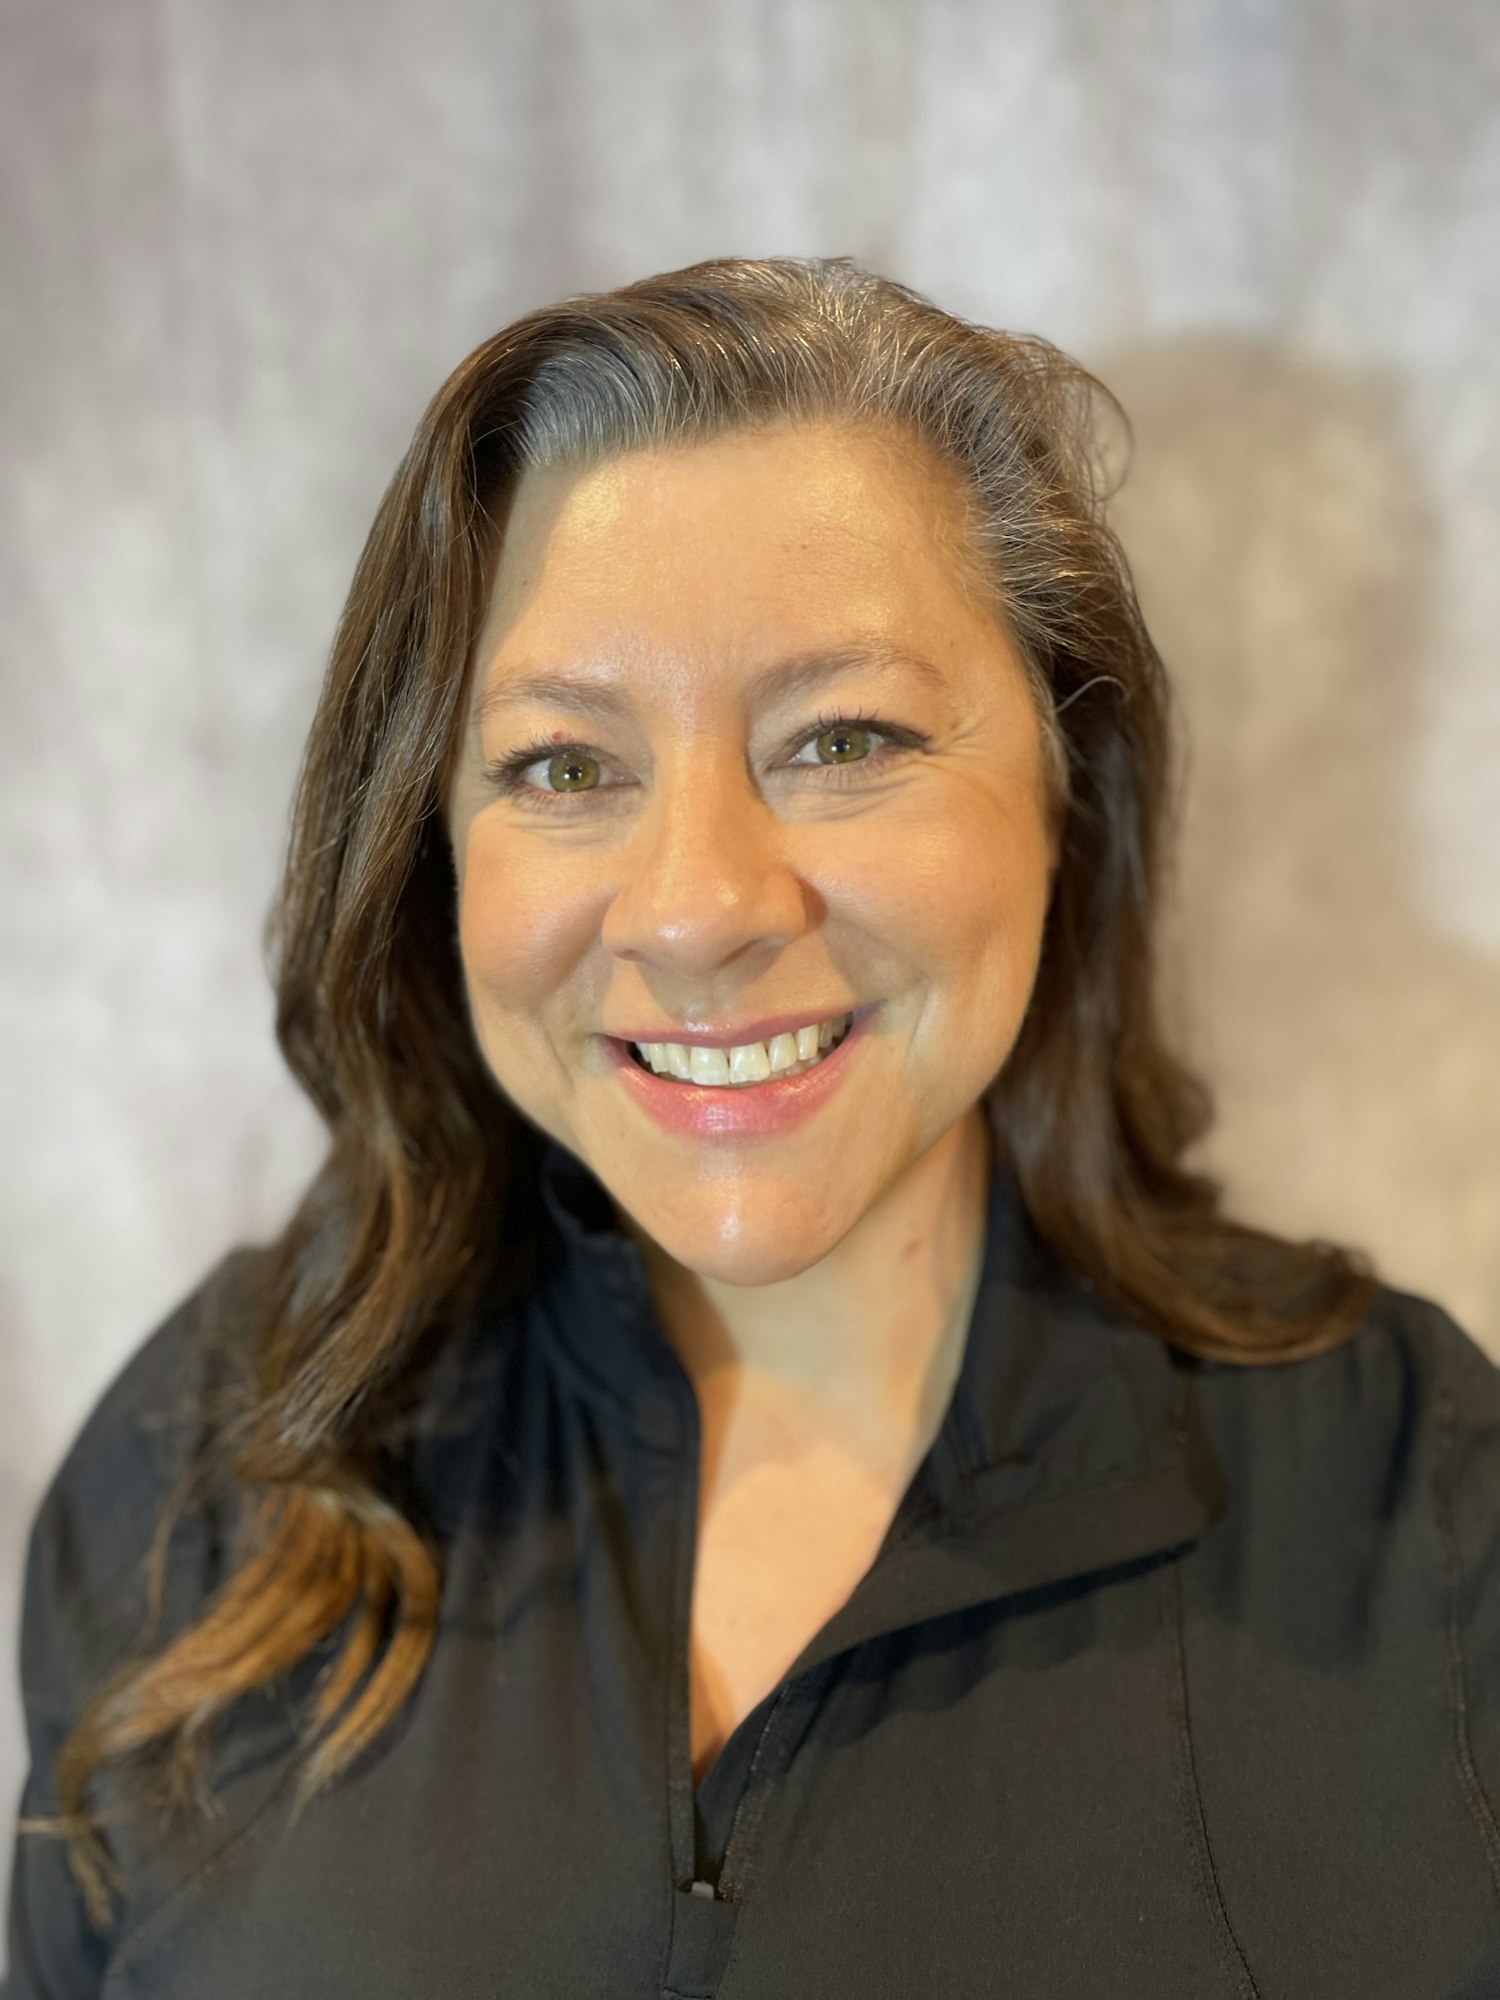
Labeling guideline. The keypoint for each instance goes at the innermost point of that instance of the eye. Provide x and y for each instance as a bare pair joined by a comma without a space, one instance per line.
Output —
570,769
857,744
852,743
848,741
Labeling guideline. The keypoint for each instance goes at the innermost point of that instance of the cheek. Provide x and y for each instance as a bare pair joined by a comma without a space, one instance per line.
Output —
522,928
962,896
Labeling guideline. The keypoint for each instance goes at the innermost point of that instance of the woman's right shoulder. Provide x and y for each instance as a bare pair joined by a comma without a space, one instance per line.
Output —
94,1525
173,1389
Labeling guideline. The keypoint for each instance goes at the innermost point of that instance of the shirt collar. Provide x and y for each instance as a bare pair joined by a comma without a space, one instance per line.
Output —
1071,1443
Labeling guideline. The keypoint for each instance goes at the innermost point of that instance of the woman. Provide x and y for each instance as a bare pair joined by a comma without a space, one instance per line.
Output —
755,1468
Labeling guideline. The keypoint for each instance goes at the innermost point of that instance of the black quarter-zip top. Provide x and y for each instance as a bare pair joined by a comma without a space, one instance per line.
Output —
1168,1677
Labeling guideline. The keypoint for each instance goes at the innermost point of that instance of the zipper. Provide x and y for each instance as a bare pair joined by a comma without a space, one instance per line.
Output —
723,1892
728,1869
680,1721
680,1790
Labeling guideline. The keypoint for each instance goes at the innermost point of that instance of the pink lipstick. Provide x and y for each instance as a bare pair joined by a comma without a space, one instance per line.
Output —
737,1111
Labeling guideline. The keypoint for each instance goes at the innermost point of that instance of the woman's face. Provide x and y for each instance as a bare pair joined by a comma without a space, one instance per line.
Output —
789,769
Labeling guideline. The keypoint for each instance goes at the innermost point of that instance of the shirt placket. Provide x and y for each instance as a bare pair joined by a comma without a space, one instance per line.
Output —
703,1913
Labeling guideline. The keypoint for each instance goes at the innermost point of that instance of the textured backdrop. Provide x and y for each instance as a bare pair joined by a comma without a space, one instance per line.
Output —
244,243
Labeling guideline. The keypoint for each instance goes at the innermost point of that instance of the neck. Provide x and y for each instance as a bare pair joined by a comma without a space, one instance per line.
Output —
871,1338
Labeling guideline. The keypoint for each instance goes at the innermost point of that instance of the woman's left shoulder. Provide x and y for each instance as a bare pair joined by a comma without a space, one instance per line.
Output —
1455,1407
1411,1350
1425,1337
1340,1625
1395,1428
1408,1375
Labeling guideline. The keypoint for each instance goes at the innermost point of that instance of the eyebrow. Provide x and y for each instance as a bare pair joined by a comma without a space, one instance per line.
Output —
796,675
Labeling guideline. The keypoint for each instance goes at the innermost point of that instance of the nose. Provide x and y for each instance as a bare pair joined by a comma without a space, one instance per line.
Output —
707,875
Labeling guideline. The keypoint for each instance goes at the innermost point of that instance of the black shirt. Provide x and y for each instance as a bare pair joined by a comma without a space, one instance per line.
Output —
1170,1678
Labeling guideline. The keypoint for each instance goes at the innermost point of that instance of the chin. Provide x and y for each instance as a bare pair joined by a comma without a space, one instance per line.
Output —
747,1265
738,1244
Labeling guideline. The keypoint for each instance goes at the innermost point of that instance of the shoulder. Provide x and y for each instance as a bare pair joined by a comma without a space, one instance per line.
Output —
1374,1461
90,1535
1409,1380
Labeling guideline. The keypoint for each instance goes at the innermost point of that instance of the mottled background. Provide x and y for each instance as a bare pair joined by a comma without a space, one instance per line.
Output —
242,245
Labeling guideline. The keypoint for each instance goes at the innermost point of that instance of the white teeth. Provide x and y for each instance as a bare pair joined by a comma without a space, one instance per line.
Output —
752,1062
709,1065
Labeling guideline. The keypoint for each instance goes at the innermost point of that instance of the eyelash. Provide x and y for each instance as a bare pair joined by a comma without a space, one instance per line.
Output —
505,773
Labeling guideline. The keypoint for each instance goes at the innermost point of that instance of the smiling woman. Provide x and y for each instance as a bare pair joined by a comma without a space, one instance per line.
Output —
711,857
756,1466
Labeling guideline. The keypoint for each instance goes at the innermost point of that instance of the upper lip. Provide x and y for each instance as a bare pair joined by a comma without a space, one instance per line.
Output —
761,1030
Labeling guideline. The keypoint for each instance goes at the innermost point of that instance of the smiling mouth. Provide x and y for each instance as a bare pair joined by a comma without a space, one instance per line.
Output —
751,1063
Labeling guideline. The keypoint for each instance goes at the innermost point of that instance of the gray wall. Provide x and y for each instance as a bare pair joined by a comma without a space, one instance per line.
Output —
243,244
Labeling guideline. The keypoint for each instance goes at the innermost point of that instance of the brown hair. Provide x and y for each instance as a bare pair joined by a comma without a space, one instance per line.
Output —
394,1238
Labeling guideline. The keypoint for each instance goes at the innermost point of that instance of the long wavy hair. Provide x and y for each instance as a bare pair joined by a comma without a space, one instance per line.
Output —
396,1238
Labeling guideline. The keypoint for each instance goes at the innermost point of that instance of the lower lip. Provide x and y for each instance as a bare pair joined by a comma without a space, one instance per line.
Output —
743,1111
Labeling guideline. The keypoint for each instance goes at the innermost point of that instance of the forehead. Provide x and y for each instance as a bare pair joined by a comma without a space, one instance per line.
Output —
741,545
